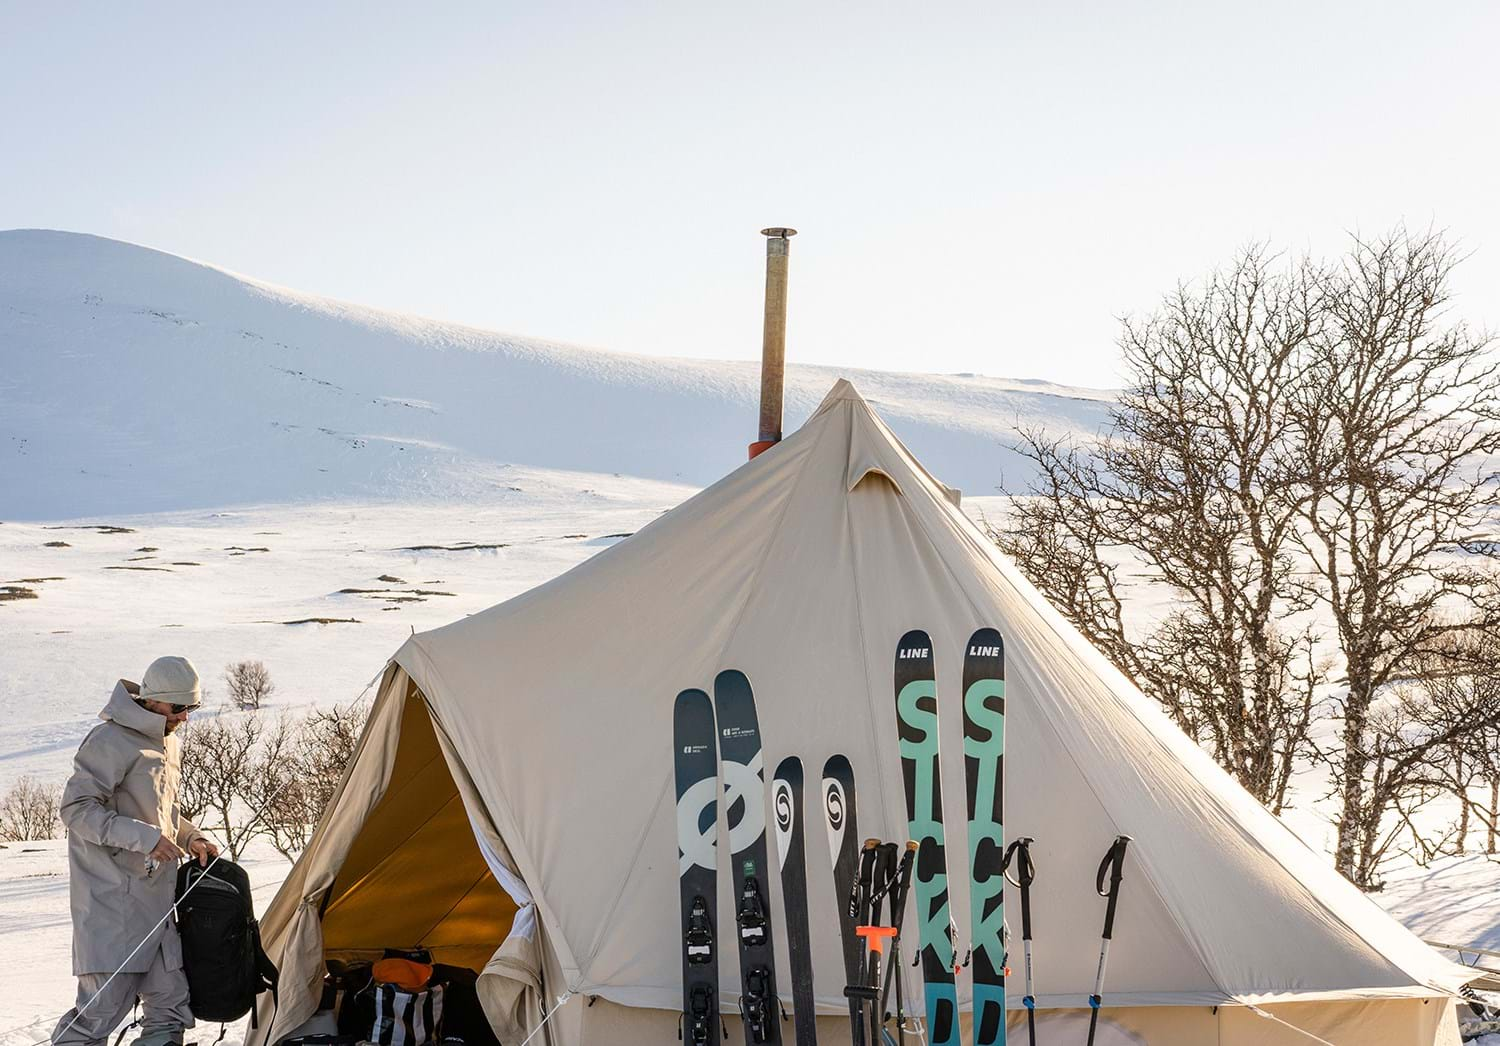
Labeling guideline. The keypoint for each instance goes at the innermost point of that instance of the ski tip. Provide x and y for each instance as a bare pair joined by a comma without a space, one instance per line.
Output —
986,642
916,638
689,696
730,678
838,767
789,770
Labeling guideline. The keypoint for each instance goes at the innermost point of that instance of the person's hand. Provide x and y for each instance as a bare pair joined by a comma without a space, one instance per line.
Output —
166,850
203,850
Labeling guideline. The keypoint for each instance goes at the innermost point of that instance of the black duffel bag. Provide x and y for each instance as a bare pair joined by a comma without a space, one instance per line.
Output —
463,1017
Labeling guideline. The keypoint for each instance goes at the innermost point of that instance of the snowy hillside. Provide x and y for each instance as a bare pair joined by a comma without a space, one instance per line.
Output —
136,381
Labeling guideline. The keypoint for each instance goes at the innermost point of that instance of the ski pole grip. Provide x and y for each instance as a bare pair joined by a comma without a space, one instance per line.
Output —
1020,851
1112,866
1114,863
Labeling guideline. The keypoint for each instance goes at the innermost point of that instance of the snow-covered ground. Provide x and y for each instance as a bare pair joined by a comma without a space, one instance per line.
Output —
296,586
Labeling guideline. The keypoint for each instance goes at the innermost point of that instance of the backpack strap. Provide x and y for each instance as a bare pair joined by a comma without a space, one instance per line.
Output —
265,969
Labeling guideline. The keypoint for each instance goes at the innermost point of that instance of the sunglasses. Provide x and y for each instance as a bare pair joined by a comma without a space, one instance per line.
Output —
174,709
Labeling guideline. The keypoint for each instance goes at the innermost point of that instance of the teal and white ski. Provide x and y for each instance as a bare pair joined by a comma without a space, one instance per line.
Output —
984,776
917,726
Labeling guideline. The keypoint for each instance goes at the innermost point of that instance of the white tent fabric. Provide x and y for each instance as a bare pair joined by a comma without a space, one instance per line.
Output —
803,568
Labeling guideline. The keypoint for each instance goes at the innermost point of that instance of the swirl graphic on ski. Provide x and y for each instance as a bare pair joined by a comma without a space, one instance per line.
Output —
786,804
917,727
839,814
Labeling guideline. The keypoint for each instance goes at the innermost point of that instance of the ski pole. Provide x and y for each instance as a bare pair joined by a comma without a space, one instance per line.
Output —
859,907
1112,866
885,875
1020,852
899,889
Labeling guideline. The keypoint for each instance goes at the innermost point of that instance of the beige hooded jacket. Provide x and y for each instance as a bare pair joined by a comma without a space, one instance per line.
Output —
121,799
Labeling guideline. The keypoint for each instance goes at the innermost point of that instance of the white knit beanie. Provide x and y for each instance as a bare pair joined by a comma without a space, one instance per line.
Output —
173,680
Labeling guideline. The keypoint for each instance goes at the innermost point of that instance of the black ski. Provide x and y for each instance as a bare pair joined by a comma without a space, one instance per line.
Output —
745,814
697,848
984,777
786,802
843,850
917,726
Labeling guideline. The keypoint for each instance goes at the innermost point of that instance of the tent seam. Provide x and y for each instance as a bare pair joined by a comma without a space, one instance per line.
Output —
859,624
404,840
461,897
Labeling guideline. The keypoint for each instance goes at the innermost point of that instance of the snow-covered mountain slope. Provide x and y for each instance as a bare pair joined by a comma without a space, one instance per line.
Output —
136,381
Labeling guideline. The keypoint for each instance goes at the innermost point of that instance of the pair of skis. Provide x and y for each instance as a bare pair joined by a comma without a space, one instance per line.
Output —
697,777
984,748
739,747
737,736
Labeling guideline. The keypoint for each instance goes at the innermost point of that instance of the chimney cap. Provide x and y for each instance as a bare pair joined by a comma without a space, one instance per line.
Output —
783,233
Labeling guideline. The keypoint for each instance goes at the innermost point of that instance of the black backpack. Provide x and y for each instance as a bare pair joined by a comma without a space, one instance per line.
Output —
226,966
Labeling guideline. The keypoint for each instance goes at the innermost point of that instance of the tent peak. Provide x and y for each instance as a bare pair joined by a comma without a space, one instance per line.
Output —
843,389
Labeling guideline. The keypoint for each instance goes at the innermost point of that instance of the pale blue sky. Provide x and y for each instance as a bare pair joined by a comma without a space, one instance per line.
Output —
979,187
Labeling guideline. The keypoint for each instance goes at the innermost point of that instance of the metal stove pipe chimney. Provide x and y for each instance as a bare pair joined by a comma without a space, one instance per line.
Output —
773,339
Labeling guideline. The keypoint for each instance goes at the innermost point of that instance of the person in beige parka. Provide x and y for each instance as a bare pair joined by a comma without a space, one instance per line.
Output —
125,836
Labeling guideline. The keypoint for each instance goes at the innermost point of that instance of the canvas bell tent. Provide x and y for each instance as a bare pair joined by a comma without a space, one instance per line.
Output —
511,803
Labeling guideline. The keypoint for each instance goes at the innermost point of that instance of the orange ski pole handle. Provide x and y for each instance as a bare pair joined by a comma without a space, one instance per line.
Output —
875,936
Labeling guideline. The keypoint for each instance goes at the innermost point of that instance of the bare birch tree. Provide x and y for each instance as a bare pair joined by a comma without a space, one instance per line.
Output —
29,810
1195,481
1307,437
298,768
1397,419
218,776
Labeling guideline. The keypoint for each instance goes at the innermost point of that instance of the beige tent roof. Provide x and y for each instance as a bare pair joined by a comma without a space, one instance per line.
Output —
803,568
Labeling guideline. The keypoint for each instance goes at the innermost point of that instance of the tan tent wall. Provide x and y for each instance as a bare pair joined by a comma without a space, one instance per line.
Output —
1384,1022
414,875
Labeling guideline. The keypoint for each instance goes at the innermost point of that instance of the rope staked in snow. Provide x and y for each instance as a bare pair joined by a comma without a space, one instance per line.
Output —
564,997
1300,1031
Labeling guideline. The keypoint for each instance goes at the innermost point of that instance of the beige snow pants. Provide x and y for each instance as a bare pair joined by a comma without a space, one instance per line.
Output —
164,1007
